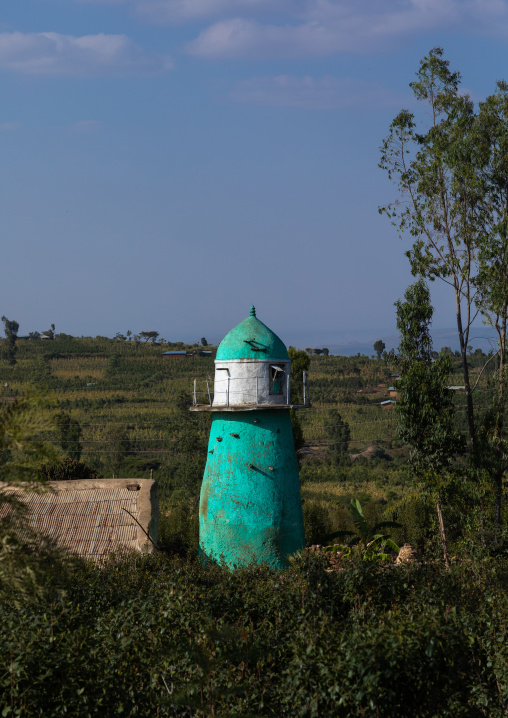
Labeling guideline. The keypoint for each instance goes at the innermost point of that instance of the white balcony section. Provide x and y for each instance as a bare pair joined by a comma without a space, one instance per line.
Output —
244,381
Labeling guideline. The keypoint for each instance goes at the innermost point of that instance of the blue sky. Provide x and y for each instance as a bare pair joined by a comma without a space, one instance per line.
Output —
165,163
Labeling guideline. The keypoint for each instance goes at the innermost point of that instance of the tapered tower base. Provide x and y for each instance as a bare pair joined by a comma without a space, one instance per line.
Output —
250,508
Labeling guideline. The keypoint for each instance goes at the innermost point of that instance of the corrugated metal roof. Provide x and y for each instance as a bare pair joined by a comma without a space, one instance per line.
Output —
91,521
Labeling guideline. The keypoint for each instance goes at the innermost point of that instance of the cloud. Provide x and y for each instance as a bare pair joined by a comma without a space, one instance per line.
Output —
86,127
9,126
248,38
326,93
326,27
306,28
170,11
50,53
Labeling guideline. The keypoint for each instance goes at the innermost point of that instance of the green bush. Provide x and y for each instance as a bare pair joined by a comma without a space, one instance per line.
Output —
179,525
316,523
159,635
65,468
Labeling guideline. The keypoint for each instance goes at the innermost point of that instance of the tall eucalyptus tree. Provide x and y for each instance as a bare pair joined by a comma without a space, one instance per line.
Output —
451,171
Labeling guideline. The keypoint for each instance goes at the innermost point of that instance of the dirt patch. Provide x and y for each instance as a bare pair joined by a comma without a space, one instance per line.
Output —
372,451
310,452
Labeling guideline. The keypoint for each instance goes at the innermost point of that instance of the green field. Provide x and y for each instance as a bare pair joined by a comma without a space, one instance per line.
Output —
131,404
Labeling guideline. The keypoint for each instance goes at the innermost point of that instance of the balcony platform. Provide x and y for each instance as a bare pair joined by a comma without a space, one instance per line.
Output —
247,407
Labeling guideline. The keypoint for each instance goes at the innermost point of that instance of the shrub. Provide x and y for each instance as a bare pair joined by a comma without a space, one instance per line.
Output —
159,635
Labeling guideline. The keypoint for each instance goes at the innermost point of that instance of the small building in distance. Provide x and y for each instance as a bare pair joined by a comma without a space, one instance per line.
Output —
392,391
388,404
176,355
181,353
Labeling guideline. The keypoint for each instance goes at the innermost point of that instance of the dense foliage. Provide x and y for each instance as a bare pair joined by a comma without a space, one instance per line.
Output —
166,636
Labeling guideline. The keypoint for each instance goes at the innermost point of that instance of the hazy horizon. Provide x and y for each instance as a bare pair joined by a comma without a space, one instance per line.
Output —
346,342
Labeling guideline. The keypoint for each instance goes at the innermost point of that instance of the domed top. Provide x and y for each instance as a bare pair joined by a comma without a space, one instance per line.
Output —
251,339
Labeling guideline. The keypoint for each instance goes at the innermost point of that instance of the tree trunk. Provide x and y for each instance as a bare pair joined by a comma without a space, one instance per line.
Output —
499,469
498,498
442,531
499,429
465,368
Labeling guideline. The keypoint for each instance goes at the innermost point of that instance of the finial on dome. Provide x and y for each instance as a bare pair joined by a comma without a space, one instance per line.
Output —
253,311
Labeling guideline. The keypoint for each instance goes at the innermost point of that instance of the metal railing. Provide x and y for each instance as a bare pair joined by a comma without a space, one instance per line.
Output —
229,392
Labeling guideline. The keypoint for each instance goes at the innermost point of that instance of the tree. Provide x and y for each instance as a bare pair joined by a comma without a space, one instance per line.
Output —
65,469
117,447
113,367
25,558
326,351
149,335
69,435
453,182
188,445
11,334
491,281
379,347
425,410
204,343
300,362
339,435
436,170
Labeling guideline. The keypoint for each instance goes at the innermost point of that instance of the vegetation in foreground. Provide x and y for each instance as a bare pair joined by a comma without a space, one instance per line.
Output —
161,635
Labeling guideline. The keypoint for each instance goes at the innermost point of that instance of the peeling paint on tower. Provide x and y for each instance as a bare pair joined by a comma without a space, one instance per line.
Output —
250,507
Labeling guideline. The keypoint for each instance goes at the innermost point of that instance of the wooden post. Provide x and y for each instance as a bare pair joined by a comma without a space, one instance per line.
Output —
194,399
208,389
442,532
304,387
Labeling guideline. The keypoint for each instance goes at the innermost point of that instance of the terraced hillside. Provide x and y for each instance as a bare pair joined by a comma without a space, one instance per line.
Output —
128,411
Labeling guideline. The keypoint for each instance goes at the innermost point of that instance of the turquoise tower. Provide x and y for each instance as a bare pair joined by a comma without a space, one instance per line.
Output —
250,507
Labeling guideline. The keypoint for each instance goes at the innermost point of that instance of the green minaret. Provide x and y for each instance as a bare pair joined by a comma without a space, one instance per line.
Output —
250,507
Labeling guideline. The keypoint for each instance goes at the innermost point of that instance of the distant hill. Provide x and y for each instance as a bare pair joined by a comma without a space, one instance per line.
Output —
349,343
